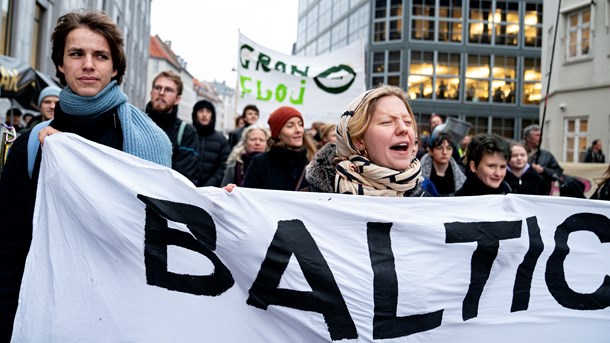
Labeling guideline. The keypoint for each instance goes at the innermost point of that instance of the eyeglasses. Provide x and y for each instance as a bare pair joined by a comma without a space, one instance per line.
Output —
160,89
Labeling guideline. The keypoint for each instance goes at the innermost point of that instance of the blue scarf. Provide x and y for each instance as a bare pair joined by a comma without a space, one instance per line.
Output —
141,136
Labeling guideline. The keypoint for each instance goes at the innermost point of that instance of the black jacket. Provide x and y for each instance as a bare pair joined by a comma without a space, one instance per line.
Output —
474,186
530,182
552,169
18,197
279,168
214,151
185,156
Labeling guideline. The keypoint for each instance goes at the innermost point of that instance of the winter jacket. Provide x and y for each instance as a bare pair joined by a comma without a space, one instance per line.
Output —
214,151
594,157
458,176
185,156
474,186
279,168
552,170
530,182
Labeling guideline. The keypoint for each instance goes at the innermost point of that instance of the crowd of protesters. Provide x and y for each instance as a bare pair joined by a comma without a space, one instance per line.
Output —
373,149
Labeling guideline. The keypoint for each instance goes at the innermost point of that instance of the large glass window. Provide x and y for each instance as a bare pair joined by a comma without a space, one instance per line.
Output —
339,34
388,20
386,68
477,78
531,82
448,76
579,33
504,79
325,12
575,135
532,25
324,43
480,22
312,24
506,19
504,127
478,125
421,72
422,22
450,21
359,24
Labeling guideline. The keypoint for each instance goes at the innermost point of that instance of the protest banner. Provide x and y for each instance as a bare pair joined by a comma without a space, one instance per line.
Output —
320,87
126,250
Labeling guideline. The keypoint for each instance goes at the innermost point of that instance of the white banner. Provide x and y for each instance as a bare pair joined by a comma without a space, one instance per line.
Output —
320,87
125,250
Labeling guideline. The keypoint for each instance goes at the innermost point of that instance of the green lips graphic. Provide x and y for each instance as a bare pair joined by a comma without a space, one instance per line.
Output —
335,85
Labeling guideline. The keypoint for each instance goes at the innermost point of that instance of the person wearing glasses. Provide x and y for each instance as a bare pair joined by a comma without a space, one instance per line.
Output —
163,110
440,167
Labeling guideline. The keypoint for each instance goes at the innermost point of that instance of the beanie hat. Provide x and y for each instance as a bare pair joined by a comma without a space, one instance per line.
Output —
279,117
48,91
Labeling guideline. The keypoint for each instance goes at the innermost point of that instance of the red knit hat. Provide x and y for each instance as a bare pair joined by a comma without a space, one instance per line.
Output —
279,117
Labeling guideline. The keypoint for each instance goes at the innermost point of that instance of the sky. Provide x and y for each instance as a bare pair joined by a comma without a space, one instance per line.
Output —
205,33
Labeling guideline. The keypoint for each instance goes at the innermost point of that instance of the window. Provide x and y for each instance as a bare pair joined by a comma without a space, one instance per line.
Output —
358,24
477,78
579,33
506,19
531,82
450,21
324,43
479,125
312,24
448,76
575,135
325,12
387,21
480,22
504,75
504,127
422,24
36,33
386,68
339,34
532,25
421,71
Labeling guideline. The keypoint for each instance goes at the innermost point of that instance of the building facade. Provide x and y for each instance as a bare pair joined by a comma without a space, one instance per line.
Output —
579,73
26,27
477,60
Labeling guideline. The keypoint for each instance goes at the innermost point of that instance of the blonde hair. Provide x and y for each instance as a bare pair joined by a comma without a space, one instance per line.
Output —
357,119
240,148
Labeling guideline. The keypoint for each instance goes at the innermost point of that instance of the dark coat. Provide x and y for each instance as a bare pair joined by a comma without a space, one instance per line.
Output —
474,186
552,169
594,157
235,136
18,197
185,156
279,168
214,150
530,182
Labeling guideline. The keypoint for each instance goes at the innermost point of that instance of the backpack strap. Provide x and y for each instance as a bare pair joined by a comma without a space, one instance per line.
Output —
34,144
181,132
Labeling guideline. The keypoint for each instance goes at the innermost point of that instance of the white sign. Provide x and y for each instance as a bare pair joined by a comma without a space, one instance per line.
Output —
125,250
320,87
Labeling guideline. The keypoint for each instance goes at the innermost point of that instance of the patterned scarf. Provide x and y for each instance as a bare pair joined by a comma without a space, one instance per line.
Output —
360,176
141,137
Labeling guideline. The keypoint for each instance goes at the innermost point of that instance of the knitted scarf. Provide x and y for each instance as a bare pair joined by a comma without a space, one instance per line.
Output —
141,137
360,176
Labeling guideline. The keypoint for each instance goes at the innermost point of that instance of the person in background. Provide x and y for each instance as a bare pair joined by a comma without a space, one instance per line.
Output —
328,134
47,99
375,149
594,153
282,167
488,156
250,115
162,108
87,48
239,122
440,167
603,187
542,161
213,146
13,118
253,142
521,178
